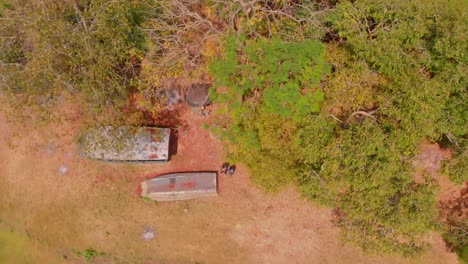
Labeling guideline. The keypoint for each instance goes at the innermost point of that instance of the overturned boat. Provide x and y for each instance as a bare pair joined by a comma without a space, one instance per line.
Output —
180,186
126,144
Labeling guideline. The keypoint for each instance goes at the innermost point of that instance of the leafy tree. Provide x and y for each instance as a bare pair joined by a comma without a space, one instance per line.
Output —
457,167
417,91
382,208
88,47
283,75
399,77
408,43
271,84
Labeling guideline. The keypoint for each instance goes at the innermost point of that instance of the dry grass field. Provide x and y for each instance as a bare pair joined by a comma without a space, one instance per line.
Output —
47,217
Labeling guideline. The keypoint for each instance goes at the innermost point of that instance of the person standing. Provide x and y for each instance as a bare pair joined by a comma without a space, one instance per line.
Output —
224,168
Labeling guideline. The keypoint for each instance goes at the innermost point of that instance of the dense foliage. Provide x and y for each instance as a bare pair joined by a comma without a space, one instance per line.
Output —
333,97
89,47
399,78
418,50
271,83
455,225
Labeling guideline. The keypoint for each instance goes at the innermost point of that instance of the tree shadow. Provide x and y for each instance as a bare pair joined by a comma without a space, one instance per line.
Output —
168,116
168,119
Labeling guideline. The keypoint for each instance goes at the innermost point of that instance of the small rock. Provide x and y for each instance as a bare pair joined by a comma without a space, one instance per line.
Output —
69,155
185,210
50,149
63,169
148,233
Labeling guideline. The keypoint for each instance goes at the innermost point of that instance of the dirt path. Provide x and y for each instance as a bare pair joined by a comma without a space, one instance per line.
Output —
95,205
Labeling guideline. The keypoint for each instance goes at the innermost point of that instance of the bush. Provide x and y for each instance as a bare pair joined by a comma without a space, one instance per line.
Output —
398,80
90,50
271,84
89,254
457,167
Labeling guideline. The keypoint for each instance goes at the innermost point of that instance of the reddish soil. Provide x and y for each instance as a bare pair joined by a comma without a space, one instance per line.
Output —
193,147
197,149
455,209
429,161
453,200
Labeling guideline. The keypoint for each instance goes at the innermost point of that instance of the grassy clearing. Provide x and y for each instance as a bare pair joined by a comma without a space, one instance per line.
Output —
17,248
95,206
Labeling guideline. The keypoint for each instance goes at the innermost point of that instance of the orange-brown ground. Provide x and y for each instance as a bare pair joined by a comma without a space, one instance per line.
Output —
95,205
429,161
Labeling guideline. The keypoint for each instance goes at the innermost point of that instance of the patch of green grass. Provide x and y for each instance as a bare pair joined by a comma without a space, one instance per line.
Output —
18,248
89,254
463,255
148,200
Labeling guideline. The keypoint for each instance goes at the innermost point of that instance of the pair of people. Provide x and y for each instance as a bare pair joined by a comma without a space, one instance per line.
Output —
228,169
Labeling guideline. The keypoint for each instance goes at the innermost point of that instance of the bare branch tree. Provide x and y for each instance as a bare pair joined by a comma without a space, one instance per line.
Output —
363,113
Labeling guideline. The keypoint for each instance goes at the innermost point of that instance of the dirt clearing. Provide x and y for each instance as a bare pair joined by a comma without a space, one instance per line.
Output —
95,205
